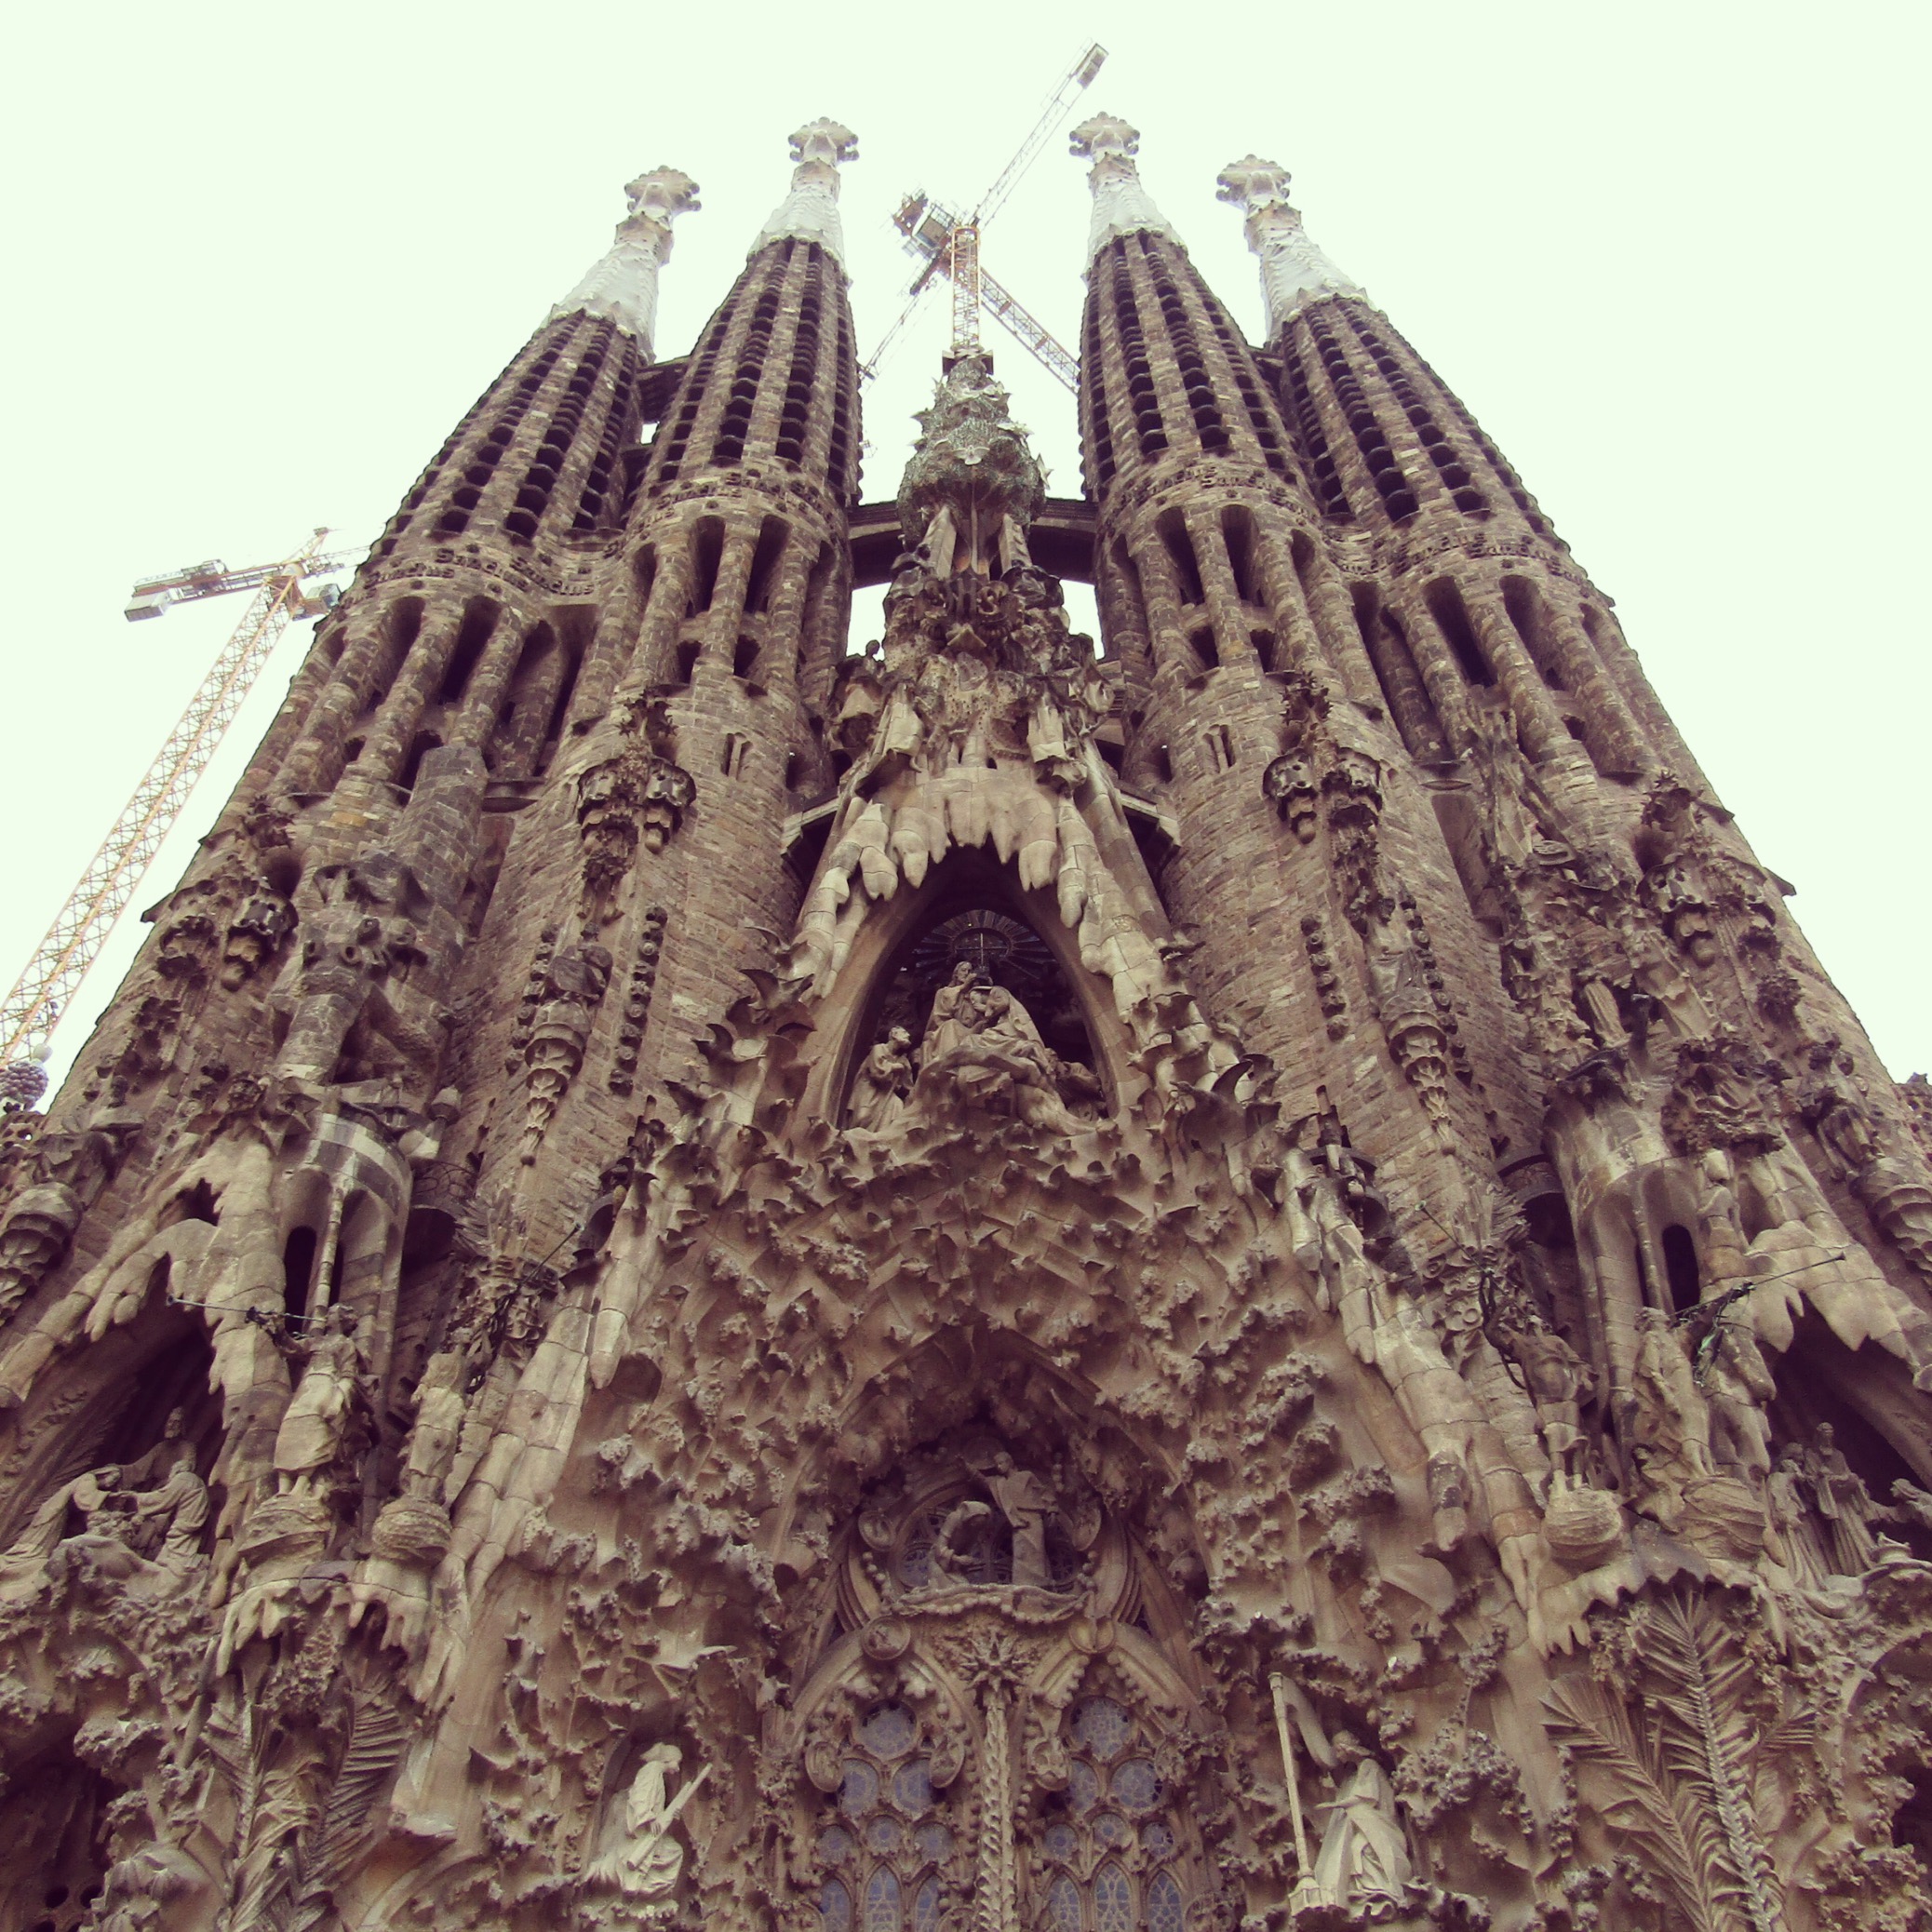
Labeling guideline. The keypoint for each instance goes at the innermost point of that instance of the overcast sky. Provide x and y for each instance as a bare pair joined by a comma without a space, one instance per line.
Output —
263,257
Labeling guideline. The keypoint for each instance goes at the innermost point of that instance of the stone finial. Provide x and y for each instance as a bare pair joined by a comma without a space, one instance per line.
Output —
623,285
1104,137
1121,206
660,197
824,141
1293,271
810,211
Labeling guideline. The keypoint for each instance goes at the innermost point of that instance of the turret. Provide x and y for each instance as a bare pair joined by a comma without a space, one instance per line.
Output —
737,540
1481,594
1209,567
452,633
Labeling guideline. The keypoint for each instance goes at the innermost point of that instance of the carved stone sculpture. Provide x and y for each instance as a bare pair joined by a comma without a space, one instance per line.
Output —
1234,1278
633,1883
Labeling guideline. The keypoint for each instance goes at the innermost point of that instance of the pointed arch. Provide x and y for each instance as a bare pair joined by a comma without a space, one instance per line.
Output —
965,880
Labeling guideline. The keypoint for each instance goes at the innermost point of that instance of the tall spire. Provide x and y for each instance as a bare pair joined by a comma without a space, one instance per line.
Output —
623,284
811,211
1293,271
1120,205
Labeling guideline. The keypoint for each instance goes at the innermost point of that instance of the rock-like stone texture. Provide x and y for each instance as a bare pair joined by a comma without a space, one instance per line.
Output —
1242,1278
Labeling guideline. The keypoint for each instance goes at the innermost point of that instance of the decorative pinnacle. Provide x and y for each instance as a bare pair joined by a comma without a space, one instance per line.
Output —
825,141
660,197
1105,137
811,211
1293,271
623,286
1121,206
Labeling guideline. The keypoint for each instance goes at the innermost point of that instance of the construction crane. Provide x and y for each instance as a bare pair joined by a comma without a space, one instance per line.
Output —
946,243
284,591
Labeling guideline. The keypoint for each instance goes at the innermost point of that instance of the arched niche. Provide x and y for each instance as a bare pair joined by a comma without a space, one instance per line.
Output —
113,1404
916,1772
1865,1395
919,1431
887,946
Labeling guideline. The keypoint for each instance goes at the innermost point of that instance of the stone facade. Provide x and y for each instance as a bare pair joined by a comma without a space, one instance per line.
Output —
1245,1279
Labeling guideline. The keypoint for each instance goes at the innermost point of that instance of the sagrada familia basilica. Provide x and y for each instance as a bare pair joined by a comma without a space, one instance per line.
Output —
1240,1276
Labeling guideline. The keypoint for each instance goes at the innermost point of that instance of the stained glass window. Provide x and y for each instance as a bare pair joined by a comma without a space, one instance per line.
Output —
1165,1913
882,1900
889,1842
1102,1727
1063,1905
889,1731
912,1786
858,1791
1106,1850
925,1908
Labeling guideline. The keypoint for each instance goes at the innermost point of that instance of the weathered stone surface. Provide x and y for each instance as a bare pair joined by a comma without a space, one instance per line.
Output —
1246,1278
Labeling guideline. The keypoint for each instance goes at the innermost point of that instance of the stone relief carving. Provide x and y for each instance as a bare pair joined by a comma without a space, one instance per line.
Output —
638,796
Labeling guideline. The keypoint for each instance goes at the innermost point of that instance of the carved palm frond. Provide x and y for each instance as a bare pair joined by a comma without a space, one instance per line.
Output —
1703,1680
1670,1826
377,1736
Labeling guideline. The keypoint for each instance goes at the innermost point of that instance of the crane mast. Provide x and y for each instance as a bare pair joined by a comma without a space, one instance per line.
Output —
946,242
81,927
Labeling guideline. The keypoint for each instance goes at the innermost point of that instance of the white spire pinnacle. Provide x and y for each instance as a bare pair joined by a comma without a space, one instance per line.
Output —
811,211
1293,271
623,284
1120,205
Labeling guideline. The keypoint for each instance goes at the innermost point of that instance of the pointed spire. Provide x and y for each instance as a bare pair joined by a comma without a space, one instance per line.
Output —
1120,205
623,286
811,211
1293,271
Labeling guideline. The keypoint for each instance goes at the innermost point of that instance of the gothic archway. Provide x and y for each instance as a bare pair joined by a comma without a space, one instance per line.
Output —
971,909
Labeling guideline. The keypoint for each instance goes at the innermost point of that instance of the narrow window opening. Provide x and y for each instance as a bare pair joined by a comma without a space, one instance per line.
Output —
1524,609
1207,653
298,1270
1681,1268
688,660
707,550
731,761
1220,744
794,771
1264,643
1163,764
420,747
1451,618
764,560
744,659
1238,531
1180,550
479,621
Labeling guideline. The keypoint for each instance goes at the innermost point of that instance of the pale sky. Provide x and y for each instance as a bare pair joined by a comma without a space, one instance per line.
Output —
265,257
